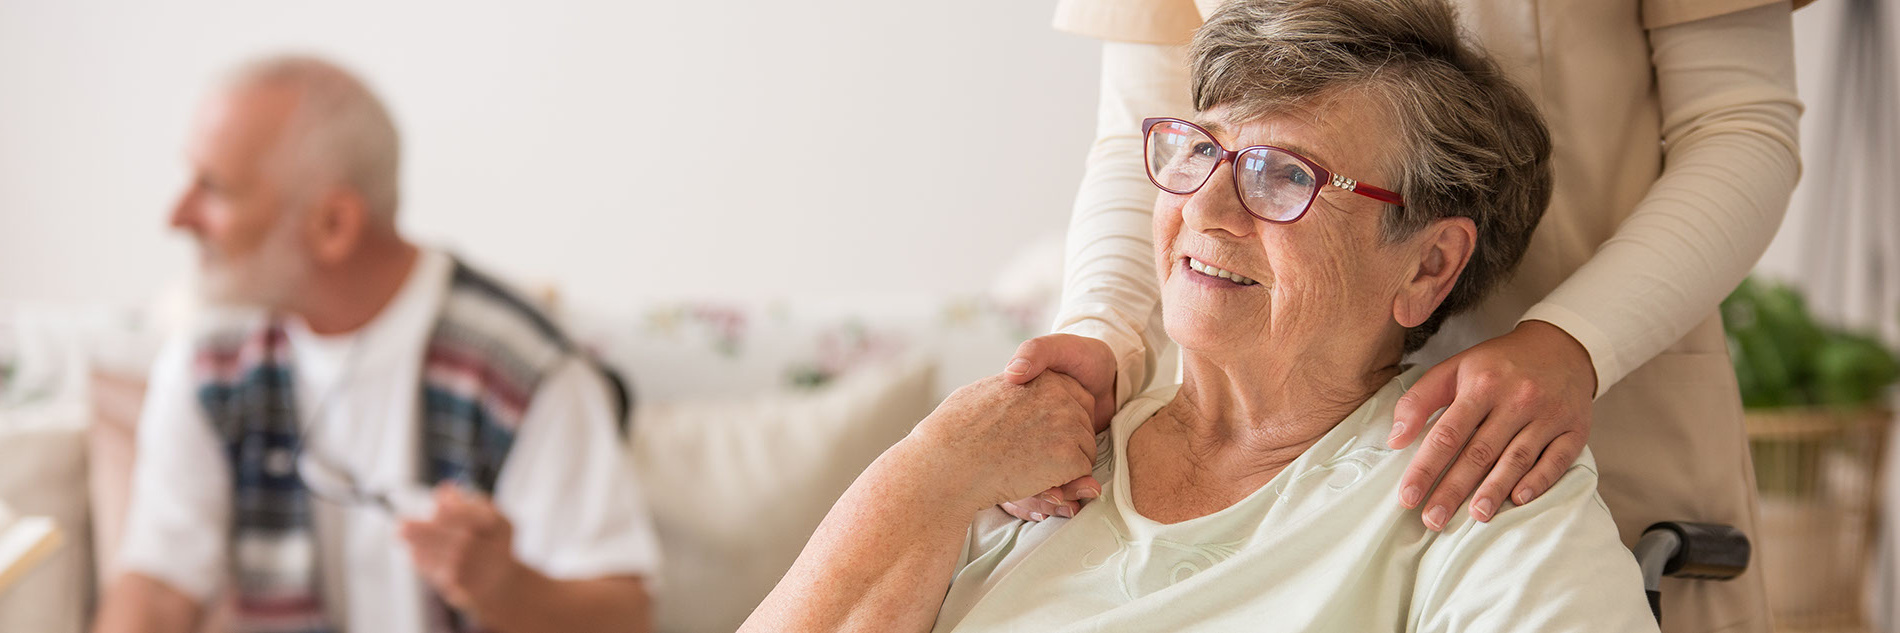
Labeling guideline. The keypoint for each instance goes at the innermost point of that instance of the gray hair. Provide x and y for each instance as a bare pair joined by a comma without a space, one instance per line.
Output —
1469,144
339,132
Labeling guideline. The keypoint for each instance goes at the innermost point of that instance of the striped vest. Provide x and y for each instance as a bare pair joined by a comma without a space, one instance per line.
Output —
485,357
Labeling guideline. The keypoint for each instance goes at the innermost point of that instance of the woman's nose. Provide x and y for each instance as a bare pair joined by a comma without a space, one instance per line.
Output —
1216,206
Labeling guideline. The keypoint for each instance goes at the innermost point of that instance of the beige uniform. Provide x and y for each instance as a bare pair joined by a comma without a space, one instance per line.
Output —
1630,260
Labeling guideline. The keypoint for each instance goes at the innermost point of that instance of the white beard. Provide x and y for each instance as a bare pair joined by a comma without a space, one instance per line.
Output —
266,278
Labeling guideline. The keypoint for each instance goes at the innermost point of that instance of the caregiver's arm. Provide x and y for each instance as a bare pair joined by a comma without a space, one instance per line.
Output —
1729,123
883,558
1108,331
1109,289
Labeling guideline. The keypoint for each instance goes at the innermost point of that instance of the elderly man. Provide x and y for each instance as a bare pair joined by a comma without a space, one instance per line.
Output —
387,440
1355,174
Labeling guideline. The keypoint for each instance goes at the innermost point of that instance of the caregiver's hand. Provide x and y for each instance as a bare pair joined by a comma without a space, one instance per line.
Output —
997,441
1091,364
1519,402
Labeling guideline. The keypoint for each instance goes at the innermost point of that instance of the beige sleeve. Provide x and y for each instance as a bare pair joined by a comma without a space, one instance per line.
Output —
1140,21
1730,124
1661,13
1109,289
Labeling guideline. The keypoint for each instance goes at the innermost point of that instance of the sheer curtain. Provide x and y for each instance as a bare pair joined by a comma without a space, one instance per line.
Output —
1845,220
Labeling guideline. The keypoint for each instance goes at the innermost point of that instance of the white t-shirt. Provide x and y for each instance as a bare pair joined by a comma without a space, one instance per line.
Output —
1323,546
568,485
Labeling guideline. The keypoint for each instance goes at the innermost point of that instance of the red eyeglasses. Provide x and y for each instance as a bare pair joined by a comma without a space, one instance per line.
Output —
1274,184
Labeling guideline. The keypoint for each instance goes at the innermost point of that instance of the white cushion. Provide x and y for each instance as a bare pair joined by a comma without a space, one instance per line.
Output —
43,473
738,486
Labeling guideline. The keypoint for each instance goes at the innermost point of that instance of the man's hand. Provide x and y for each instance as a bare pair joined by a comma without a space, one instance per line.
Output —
466,551
1092,364
1520,402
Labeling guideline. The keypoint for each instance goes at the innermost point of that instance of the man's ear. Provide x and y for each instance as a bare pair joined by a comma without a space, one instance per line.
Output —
337,225
1443,248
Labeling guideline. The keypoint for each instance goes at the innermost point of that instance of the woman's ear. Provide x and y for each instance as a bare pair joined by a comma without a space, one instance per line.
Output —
1443,248
337,225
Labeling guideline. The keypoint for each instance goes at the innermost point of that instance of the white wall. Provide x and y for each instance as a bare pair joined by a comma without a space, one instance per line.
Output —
623,150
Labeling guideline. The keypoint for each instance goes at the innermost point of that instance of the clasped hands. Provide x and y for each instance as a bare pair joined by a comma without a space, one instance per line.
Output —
1516,416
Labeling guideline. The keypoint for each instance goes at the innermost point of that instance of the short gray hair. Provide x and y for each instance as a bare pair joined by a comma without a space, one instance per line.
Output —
339,130
1469,144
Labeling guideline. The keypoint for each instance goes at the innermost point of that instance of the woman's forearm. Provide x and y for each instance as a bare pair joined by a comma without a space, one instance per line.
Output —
1109,290
1730,119
883,558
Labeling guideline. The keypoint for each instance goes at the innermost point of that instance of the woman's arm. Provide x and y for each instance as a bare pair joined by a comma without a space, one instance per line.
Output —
1109,289
1108,333
1730,126
1729,122
883,558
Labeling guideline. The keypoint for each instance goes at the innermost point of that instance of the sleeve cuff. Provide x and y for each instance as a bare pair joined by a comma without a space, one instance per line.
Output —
1598,345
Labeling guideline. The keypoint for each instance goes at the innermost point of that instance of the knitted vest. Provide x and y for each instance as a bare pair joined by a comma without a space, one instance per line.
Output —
486,355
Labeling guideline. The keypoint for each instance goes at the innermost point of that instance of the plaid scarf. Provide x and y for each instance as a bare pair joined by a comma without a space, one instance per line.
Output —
488,352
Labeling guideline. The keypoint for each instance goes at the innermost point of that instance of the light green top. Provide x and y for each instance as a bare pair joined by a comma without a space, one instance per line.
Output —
1323,546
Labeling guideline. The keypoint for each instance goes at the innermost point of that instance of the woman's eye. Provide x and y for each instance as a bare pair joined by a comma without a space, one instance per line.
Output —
1298,176
1206,149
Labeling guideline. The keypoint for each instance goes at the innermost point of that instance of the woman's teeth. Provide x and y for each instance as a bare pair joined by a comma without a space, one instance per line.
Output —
1216,272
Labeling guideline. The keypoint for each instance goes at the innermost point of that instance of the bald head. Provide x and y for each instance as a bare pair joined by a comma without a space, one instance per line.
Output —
333,130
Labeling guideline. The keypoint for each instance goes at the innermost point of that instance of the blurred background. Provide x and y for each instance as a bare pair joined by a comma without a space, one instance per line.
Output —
748,204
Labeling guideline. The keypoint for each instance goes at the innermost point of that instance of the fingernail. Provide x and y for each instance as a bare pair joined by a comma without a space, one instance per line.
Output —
1037,516
1410,496
1397,428
1523,496
1051,498
1065,512
1436,517
1483,508
1088,493
1016,367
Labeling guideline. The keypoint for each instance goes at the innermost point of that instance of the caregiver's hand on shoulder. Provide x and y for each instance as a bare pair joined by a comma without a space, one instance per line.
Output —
1092,364
997,441
1517,415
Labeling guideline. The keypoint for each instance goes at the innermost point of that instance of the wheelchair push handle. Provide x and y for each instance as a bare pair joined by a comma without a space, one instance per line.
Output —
1708,551
1701,551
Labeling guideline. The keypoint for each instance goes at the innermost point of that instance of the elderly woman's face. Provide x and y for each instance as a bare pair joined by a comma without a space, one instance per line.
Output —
1325,280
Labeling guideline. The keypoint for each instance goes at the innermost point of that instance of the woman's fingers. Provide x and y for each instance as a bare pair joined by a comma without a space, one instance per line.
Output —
1472,464
1513,464
1440,446
1082,490
1032,357
1434,390
1562,452
1030,509
1086,360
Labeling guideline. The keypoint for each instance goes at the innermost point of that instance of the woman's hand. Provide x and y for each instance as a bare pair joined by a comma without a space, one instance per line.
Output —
1000,441
1090,362
1519,402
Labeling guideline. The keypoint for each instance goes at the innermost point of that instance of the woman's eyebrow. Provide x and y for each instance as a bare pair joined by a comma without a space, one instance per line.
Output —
1217,130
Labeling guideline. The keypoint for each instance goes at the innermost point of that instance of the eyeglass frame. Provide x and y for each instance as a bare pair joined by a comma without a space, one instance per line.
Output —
1325,176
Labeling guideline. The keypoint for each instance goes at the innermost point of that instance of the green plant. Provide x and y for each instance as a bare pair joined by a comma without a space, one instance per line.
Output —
1783,358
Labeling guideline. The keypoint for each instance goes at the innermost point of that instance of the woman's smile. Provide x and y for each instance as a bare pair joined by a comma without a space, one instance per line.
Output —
1209,274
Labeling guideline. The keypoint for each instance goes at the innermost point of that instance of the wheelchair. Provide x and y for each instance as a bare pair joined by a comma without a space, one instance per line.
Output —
1679,549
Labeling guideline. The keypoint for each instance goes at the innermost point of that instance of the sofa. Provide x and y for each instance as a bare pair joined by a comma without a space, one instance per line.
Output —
750,418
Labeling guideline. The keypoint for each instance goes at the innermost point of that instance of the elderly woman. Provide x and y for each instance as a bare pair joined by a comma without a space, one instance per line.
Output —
1355,175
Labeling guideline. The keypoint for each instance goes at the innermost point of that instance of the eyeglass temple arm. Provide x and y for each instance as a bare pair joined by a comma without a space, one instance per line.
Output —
1368,191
